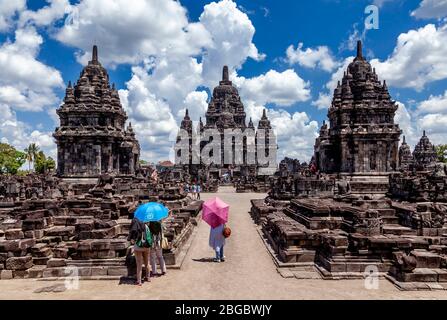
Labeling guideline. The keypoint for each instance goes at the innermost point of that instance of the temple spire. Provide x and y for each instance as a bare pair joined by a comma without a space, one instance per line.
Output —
225,74
404,141
359,50
95,53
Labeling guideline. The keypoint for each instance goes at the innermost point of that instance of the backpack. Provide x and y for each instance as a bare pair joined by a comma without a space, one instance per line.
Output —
146,238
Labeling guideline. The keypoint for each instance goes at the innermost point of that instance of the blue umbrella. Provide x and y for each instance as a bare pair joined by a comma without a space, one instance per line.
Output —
151,211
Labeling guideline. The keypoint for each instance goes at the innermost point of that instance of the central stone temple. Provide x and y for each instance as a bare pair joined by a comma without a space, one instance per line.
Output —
362,137
92,138
226,113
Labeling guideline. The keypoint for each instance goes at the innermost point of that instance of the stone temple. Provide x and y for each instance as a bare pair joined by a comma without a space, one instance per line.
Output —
362,137
80,217
364,206
92,138
226,112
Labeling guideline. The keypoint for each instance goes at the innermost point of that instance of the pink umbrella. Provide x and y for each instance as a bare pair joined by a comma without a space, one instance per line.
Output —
215,212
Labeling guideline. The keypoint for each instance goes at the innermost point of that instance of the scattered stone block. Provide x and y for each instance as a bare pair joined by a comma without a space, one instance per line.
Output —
14,234
6,274
56,263
19,263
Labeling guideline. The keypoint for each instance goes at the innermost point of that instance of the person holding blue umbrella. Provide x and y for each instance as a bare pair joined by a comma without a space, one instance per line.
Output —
140,235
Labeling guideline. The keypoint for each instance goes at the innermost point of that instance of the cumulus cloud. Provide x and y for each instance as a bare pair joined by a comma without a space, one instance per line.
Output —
418,59
26,83
323,102
130,33
434,104
151,119
172,60
20,134
431,9
172,77
406,122
296,134
232,33
319,57
8,10
55,10
281,88
431,115
325,98
197,103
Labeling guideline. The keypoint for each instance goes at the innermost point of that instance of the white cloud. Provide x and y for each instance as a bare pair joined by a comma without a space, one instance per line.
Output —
431,9
281,88
232,33
323,102
26,83
418,59
197,104
431,116
325,98
151,119
8,10
20,134
434,104
131,33
405,120
296,134
319,57
169,79
45,16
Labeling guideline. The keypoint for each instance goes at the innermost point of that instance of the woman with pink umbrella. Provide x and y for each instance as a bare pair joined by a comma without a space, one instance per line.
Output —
215,213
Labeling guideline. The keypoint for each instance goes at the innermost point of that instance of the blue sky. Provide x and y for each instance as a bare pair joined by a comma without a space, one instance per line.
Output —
161,66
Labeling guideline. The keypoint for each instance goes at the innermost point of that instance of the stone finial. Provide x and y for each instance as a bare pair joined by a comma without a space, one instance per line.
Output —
404,142
225,74
385,87
187,113
359,49
264,114
424,134
69,84
95,54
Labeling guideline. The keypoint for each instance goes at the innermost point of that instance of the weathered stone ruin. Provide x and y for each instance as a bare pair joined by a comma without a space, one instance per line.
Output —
92,138
42,235
81,217
227,112
363,206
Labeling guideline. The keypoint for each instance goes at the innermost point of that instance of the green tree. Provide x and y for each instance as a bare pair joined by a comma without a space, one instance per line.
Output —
31,154
43,164
11,160
442,152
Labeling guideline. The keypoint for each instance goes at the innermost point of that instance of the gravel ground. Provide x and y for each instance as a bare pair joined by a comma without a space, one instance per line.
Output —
248,273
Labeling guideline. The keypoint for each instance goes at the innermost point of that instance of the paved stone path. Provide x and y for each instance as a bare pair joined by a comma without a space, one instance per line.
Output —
248,273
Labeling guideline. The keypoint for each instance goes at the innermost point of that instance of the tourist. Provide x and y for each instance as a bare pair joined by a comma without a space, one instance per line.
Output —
194,191
217,242
141,239
198,189
186,189
157,248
